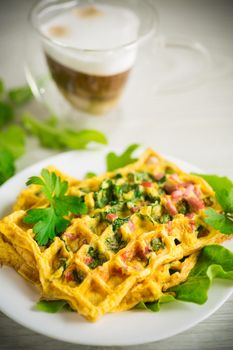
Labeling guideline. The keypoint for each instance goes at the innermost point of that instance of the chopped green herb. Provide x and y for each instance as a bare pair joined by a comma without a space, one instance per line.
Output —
50,222
137,191
115,243
119,222
183,207
165,218
145,217
157,244
162,180
115,162
138,177
104,195
78,276
98,258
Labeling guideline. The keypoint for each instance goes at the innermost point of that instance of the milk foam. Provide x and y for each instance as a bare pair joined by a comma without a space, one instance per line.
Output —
99,27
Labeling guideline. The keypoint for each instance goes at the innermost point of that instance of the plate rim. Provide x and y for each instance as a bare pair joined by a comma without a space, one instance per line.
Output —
46,332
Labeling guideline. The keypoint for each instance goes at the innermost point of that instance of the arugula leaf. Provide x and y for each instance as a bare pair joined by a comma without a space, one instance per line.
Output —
223,188
13,140
2,87
114,161
155,305
214,261
6,113
221,222
51,306
50,222
20,95
7,167
51,136
80,139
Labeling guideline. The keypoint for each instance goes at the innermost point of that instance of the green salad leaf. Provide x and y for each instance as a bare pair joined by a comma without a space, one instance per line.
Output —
52,136
223,188
221,222
50,222
155,305
115,161
20,95
213,261
51,306
7,166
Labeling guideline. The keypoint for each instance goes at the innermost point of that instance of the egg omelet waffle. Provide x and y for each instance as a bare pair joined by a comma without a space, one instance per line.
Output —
141,235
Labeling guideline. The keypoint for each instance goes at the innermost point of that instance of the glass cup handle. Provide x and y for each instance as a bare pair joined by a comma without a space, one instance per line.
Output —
196,49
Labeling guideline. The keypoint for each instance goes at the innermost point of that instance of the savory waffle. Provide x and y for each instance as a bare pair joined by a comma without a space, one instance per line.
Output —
141,235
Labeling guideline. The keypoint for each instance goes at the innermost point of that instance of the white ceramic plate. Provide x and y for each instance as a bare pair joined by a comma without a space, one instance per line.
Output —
17,297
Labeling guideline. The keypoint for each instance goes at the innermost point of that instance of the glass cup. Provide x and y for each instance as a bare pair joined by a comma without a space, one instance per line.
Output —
89,78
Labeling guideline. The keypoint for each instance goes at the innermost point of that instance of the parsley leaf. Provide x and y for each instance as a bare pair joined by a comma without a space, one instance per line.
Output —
114,161
20,95
7,167
213,261
223,188
52,136
221,222
50,222
47,224
13,140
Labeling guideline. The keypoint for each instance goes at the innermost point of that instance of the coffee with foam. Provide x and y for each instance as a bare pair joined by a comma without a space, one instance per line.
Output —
90,51
85,33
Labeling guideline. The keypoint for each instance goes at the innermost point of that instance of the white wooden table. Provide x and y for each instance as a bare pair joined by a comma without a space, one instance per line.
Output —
195,125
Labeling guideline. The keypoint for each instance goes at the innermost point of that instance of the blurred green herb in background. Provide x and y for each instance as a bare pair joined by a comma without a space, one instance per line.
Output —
50,134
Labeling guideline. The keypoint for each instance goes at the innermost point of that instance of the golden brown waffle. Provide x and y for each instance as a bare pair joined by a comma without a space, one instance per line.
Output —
98,269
